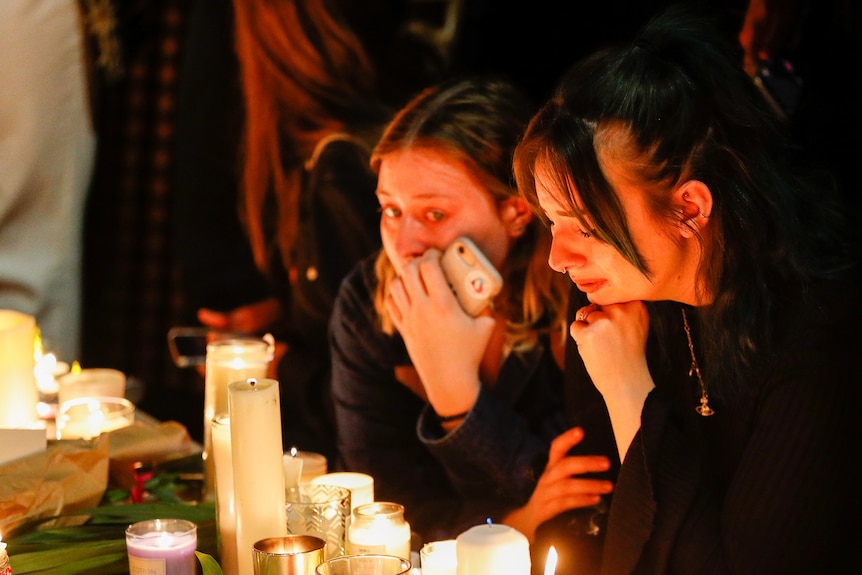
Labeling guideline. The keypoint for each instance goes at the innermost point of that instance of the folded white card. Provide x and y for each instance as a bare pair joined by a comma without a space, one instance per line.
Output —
15,443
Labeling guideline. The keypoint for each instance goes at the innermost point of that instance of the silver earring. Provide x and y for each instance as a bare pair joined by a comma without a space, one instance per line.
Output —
564,272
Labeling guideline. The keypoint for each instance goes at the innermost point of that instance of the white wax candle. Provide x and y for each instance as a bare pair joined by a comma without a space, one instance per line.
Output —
292,469
228,360
439,558
492,548
225,504
361,485
18,392
91,382
313,465
258,475
162,547
551,562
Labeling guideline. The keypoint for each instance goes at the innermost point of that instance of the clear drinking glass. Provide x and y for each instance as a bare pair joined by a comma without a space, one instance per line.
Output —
322,511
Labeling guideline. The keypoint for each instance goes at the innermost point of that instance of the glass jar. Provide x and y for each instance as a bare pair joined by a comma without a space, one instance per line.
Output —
379,528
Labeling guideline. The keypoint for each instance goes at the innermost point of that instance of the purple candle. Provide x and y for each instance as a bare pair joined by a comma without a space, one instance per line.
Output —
162,547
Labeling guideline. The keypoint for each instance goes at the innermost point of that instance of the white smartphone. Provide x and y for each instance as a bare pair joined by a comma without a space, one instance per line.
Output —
473,279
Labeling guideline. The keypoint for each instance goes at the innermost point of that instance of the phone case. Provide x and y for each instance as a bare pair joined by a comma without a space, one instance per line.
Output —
473,279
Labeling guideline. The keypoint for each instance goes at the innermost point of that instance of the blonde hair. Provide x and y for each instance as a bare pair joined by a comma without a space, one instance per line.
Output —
479,121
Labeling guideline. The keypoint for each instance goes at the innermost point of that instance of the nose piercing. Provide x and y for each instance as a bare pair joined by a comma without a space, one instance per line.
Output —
564,271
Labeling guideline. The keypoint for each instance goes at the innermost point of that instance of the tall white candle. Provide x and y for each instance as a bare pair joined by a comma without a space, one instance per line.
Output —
18,392
492,548
228,360
258,475
225,504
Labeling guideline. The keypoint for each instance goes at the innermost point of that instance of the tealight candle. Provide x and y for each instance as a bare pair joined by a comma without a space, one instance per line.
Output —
379,529
491,549
162,547
91,382
88,417
258,475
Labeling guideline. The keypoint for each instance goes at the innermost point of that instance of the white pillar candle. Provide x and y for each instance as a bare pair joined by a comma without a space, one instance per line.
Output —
258,475
225,505
361,485
379,529
227,361
18,392
313,465
491,549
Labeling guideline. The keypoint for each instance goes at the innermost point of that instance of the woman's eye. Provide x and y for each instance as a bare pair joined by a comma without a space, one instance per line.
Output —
390,211
584,234
435,215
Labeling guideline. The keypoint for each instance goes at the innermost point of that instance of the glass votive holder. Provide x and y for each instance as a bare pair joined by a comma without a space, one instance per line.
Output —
89,417
365,564
91,382
163,546
439,558
322,511
361,485
290,555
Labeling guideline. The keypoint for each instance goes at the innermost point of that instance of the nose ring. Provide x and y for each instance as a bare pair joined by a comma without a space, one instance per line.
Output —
564,271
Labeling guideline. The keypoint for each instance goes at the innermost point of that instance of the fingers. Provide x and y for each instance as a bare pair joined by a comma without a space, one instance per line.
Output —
561,444
583,314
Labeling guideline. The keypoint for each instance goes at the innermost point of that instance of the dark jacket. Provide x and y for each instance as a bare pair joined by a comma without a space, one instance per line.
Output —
447,482
765,485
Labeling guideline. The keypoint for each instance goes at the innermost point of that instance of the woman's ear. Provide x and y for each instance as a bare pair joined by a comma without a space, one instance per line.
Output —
693,202
515,214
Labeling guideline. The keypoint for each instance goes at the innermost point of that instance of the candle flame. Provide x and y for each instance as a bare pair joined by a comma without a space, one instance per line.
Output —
551,562
293,452
488,521
76,367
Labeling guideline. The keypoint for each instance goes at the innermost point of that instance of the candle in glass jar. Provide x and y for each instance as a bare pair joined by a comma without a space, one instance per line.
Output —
258,475
379,528
89,417
162,547
227,361
492,548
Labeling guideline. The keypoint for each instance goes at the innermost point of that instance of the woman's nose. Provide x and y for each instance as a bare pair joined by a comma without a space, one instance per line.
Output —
561,259
410,240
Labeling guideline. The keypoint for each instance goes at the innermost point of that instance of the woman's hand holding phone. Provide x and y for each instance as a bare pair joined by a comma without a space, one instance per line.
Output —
445,344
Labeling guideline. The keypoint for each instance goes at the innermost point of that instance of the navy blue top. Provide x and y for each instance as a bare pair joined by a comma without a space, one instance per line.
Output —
447,483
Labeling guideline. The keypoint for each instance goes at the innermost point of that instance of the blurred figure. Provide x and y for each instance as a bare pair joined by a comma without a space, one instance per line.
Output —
277,199
47,154
453,415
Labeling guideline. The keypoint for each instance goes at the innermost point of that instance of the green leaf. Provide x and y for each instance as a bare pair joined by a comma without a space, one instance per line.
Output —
209,565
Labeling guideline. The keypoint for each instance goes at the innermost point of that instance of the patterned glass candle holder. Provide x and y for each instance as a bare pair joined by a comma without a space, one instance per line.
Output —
322,511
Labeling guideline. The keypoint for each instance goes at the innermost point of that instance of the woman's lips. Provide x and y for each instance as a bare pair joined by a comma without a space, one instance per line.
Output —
589,286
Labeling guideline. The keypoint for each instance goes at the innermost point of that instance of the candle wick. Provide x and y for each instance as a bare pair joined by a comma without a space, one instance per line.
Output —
252,381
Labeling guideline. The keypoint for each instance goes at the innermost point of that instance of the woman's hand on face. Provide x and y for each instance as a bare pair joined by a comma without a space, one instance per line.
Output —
445,344
560,488
612,343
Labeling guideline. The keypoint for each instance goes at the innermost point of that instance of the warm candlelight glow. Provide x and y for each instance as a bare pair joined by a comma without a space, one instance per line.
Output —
551,563
76,367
